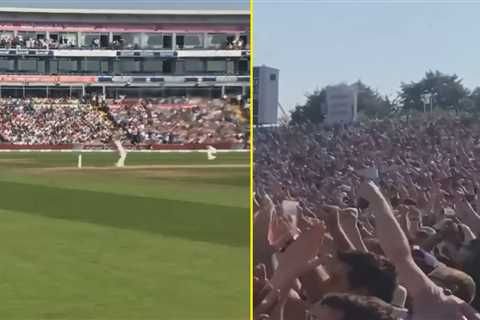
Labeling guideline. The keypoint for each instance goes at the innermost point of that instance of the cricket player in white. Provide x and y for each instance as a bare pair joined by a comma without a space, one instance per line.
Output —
121,151
211,153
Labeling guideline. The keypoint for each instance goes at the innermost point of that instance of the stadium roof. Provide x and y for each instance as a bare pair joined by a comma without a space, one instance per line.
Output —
125,11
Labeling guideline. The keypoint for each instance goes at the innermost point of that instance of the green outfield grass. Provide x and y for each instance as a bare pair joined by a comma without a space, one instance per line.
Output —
138,242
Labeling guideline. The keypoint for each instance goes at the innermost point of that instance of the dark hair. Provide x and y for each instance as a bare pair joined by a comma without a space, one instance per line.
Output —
356,307
394,201
409,202
362,203
470,197
373,245
372,272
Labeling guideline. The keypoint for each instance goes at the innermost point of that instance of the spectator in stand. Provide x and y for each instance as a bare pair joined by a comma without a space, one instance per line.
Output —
49,121
66,121
190,122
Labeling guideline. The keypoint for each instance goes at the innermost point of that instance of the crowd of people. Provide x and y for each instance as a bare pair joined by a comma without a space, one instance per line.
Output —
52,121
13,42
141,121
10,41
371,221
20,42
179,120
237,44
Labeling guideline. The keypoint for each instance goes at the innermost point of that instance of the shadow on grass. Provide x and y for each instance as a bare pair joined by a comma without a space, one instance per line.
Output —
194,221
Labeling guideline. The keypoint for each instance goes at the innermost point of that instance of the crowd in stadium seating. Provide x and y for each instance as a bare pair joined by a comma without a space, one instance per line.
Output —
20,42
236,45
179,120
67,121
7,41
48,121
372,221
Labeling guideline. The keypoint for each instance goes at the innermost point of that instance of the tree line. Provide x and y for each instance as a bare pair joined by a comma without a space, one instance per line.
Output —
445,91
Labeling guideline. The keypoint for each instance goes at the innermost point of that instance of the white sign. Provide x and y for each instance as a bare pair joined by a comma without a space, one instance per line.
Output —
84,53
209,53
341,104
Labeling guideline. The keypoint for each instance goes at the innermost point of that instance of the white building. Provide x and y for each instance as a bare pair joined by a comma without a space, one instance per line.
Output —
265,95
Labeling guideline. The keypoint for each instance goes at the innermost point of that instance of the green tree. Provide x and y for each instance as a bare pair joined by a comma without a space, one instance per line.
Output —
474,98
447,91
312,111
369,102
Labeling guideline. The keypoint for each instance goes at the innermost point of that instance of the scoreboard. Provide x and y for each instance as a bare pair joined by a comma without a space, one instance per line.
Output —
341,104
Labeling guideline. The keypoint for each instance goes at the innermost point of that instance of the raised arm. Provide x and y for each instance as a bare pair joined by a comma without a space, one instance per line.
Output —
298,258
468,215
332,219
393,240
262,251
349,223
344,238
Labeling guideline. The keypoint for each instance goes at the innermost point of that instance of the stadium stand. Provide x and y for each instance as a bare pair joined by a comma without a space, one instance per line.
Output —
71,121
160,77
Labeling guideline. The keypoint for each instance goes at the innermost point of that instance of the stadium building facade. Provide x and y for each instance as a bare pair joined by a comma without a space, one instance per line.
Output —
143,53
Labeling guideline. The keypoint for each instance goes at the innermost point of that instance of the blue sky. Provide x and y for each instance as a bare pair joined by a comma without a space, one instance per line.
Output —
317,43
130,4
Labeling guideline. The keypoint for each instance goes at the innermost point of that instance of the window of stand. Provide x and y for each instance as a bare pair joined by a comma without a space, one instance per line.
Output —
219,41
126,41
158,41
31,39
6,38
230,67
216,66
194,65
95,40
127,65
95,65
67,39
64,66
7,64
189,41
153,65
27,65
245,41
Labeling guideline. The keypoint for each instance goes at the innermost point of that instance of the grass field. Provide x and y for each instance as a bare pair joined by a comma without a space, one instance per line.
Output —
132,243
